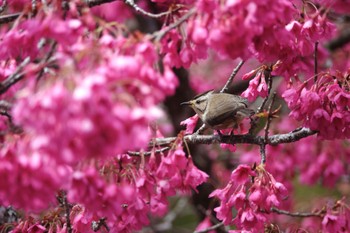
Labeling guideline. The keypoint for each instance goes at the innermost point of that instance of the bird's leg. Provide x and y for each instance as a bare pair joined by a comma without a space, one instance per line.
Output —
232,133
219,133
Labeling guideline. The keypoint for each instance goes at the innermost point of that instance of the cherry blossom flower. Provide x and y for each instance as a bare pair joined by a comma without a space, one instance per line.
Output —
321,105
252,200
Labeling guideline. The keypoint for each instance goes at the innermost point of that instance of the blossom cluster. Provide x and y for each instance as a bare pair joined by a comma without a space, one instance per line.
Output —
89,99
252,192
90,87
322,106
133,186
123,190
324,164
333,218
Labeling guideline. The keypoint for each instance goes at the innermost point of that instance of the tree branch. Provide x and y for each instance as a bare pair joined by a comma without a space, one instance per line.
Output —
269,118
293,136
3,6
62,200
238,139
15,77
9,18
233,74
139,9
269,87
160,34
12,17
137,153
92,3
296,214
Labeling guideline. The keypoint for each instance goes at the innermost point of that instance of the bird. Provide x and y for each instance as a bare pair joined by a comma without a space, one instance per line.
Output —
220,110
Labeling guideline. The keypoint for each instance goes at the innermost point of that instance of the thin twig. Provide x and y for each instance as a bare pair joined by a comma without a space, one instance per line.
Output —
14,77
62,200
96,225
158,151
9,18
269,87
297,214
92,3
201,129
5,105
3,6
139,9
315,61
12,17
160,34
46,59
233,74
269,118
263,152
216,226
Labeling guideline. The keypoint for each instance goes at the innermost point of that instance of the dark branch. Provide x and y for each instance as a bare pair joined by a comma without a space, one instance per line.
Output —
137,153
3,6
15,77
139,9
160,34
12,17
9,18
296,214
238,139
263,153
233,74
92,3
269,118
269,87
63,202
315,60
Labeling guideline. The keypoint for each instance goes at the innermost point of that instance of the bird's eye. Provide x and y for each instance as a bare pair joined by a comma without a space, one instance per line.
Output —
197,101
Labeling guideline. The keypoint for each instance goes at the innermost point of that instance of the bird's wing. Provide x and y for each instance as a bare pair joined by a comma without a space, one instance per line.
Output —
222,110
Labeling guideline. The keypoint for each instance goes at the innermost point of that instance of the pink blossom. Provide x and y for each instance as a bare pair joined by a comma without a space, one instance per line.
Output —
25,171
98,197
204,224
241,174
323,104
252,193
257,87
194,176
248,219
190,123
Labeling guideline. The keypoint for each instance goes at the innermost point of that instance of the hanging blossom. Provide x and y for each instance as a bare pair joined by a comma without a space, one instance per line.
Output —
124,191
252,192
127,189
233,29
334,217
257,85
324,106
325,162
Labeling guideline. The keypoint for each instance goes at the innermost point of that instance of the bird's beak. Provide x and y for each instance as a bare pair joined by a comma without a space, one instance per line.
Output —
186,103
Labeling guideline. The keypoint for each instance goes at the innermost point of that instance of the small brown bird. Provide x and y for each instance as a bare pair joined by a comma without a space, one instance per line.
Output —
220,110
